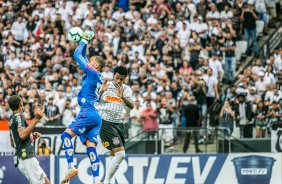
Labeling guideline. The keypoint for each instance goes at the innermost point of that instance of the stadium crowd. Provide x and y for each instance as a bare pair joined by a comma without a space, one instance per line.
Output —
173,50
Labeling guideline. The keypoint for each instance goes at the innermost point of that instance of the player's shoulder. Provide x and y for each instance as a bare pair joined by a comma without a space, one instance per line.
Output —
18,118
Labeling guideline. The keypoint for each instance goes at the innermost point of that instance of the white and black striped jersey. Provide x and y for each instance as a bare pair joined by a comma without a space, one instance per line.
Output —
111,106
24,147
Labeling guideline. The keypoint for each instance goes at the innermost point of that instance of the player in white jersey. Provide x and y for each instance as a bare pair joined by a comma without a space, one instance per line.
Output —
114,97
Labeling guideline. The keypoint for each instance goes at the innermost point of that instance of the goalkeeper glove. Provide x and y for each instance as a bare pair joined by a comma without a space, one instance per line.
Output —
87,36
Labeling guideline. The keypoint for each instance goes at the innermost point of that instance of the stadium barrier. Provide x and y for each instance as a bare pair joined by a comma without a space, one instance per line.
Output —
162,169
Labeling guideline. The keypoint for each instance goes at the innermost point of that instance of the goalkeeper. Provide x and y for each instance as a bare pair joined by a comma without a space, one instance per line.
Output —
88,122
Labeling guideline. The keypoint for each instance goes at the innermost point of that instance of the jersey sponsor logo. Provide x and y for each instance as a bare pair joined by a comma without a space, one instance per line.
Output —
113,99
115,141
106,144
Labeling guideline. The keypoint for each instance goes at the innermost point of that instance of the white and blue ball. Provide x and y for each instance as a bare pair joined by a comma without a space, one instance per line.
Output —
75,34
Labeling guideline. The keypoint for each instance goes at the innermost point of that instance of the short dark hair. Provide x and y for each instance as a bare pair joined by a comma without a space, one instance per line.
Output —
120,70
14,102
100,61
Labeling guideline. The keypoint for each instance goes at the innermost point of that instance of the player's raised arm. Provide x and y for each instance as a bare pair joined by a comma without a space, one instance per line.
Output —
78,55
80,51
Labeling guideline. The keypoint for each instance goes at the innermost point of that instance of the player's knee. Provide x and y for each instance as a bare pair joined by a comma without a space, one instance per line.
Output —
66,139
120,155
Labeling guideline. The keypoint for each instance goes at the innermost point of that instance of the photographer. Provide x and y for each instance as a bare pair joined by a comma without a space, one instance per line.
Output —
68,113
43,149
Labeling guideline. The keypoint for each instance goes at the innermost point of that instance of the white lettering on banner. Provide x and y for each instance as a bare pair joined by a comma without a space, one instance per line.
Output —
2,169
174,169
177,166
198,177
254,171
138,167
152,172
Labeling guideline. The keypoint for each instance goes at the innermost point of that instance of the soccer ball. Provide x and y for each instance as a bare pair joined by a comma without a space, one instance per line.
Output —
75,34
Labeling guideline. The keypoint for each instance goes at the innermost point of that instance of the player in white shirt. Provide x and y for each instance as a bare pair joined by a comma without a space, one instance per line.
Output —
114,97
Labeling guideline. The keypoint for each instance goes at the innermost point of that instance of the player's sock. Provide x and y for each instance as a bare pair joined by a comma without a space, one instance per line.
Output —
113,166
95,162
68,147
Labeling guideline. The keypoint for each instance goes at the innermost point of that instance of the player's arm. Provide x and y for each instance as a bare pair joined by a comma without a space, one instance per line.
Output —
12,142
80,52
128,103
25,132
127,98
80,56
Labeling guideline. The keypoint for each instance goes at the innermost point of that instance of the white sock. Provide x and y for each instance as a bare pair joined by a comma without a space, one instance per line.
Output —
70,165
113,166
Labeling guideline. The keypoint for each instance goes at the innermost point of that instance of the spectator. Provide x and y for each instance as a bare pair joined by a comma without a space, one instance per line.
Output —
43,149
136,123
19,30
13,62
272,12
191,112
212,84
200,91
6,112
249,17
260,7
68,113
149,121
227,115
165,124
230,60
260,119
243,114
52,113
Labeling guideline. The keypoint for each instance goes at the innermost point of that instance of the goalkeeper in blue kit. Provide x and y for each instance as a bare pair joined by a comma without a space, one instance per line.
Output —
88,122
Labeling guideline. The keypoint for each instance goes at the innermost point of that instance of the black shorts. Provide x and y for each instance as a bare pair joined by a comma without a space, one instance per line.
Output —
112,134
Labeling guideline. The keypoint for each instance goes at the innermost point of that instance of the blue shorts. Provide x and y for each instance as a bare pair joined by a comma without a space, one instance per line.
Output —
87,124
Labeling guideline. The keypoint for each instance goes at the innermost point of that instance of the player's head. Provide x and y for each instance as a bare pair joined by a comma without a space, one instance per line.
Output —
15,103
120,73
97,62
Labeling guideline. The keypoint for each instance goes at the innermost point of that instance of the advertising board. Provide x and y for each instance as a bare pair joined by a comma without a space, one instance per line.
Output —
163,169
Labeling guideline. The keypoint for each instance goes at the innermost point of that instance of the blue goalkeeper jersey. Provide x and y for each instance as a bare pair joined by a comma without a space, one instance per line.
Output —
91,81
